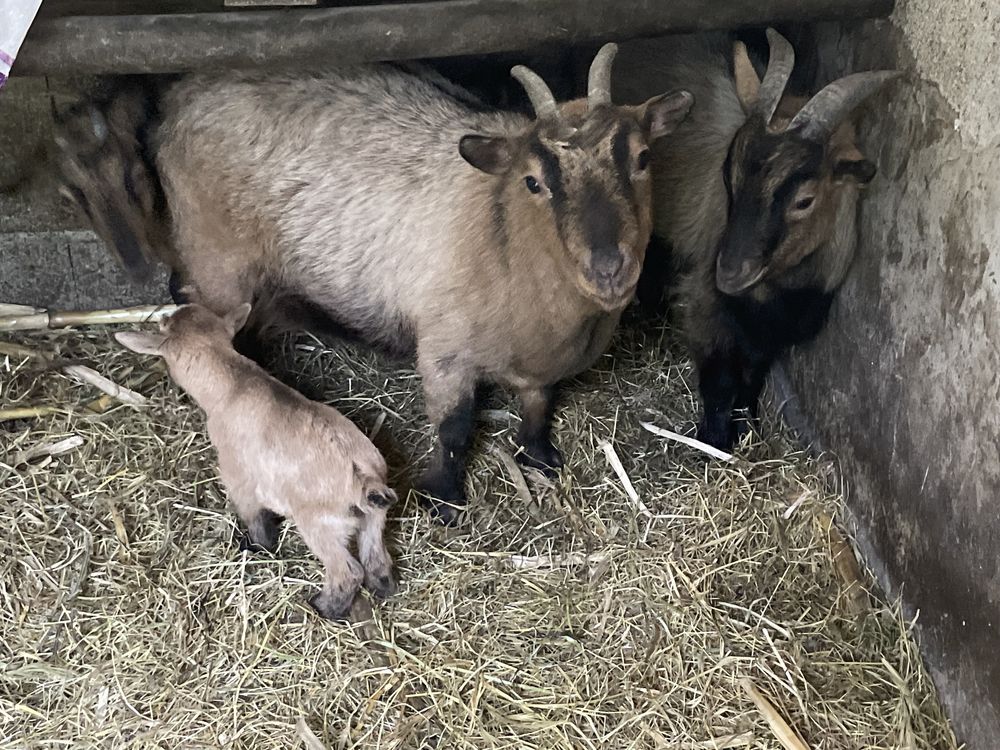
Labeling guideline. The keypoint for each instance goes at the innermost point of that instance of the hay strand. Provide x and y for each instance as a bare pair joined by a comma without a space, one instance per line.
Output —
782,731
688,441
619,469
26,412
845,565
110,388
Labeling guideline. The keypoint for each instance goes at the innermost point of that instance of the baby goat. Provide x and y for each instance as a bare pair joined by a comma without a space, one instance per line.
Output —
282,455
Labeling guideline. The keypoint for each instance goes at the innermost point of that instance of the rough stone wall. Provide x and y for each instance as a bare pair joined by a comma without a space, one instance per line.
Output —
904,385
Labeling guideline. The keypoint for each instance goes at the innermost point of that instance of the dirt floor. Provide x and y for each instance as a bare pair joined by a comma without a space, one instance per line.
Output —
562,614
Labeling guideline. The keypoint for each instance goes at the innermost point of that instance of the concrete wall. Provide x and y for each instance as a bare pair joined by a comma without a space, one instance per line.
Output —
904,384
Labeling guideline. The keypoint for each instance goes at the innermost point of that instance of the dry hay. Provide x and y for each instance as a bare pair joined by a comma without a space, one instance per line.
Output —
129,619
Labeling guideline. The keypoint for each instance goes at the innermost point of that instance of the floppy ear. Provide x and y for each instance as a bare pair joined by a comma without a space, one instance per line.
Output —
662,114
237,317
143,343
487,154
747,81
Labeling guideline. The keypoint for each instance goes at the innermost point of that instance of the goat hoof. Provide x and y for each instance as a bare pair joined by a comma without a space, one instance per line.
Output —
718,436
382,587
541,455
263,531
441,497
331,610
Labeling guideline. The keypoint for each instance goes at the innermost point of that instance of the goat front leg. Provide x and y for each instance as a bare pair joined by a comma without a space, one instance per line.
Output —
328,538
753,375
450,393
375,558
535,436
718,383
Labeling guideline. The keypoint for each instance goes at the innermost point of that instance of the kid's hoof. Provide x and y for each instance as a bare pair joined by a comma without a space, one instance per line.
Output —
383,586
328,610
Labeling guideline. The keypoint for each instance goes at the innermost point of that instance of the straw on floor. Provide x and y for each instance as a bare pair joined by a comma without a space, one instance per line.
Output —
645,599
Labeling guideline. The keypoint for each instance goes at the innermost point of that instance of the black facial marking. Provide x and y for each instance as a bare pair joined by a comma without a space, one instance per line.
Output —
601,222
551,174
125,243
620,156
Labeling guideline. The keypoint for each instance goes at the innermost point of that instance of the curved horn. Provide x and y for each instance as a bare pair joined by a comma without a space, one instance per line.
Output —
824,112
781,60
538,92
599,79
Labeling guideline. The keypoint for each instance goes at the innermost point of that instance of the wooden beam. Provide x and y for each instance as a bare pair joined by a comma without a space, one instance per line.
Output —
399,31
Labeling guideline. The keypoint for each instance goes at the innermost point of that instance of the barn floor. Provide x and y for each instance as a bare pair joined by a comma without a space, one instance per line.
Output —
558,615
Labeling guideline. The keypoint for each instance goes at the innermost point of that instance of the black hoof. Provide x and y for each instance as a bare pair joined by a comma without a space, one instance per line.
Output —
718,435
383,587
541,455
264,529
442,498
335,612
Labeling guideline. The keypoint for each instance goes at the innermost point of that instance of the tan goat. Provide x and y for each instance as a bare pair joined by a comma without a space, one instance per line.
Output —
282,455
389,204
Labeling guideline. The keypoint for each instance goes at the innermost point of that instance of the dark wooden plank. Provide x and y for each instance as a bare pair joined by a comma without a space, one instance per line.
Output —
180,42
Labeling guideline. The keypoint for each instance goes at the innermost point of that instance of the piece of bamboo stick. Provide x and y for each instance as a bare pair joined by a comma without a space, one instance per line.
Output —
33,320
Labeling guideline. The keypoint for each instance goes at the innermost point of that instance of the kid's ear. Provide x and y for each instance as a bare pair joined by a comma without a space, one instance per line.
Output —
237,317
486,153
143,343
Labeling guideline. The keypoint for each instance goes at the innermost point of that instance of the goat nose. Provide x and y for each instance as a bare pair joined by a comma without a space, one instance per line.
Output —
607,261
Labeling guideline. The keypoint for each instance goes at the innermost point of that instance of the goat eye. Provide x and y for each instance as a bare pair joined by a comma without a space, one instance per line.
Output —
532,184
804,203
643,159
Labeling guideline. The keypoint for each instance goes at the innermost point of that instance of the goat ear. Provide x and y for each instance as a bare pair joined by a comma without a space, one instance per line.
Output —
485,153
662,114
747,81
237,317
143,343
860,170
851,164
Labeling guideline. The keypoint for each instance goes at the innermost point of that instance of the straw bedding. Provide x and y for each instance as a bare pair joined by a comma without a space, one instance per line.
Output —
560,614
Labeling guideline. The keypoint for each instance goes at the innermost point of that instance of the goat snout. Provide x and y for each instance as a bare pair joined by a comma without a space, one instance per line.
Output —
735,276
606,264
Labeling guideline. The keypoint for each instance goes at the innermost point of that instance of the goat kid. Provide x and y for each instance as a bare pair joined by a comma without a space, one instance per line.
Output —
382,203
755,204
282,455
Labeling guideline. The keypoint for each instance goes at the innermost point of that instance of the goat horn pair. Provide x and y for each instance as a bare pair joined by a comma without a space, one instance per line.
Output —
598,85
825,111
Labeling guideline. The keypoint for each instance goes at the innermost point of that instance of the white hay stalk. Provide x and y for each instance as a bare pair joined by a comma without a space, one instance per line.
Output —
22,318
309,739
616,464
690,442
48,449
90,376
783,732
572,559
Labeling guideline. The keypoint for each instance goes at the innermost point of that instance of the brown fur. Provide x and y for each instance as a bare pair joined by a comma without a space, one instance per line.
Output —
281,454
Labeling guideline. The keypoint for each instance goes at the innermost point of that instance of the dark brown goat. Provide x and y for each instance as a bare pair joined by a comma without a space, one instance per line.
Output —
755,204
282,455
496,247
